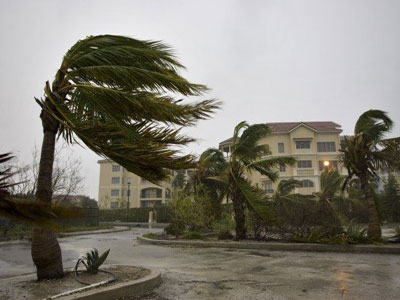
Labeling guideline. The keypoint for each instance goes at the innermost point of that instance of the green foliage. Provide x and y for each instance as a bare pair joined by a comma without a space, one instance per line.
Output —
188,213
137,214
92,261
367,152
152,236
224,227
116,95
391,199
192,235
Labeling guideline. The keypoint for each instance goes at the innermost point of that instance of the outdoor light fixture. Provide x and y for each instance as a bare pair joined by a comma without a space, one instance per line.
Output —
326,163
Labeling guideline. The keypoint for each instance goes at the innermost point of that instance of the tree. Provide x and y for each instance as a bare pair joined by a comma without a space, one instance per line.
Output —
331,182
391,199
248,156
211,163
32,213
115,95
367,152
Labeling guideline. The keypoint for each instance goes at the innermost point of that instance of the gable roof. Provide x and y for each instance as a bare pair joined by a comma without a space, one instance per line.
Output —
286,127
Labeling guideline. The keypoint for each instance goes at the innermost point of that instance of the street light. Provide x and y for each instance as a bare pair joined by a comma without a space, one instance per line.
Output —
129,193
326,165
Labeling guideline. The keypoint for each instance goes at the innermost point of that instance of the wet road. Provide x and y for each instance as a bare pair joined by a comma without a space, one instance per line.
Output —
190,273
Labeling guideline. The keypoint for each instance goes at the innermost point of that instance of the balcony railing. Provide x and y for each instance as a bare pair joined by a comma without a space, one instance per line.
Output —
305,172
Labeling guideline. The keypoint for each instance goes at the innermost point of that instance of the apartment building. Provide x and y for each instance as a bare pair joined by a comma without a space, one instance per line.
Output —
315,145
116,185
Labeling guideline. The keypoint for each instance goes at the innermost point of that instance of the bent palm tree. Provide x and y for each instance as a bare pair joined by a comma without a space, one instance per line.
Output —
113,93
365,153
248,156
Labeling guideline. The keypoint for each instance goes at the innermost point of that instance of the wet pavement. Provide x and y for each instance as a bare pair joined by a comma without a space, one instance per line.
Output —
211,273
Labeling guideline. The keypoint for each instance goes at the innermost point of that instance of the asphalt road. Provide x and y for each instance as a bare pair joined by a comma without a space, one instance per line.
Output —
190,273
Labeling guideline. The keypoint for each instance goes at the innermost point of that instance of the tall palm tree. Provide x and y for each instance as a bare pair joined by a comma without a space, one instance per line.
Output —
367,152
114,94
249,156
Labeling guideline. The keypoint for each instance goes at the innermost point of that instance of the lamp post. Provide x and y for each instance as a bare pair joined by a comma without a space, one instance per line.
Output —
127,204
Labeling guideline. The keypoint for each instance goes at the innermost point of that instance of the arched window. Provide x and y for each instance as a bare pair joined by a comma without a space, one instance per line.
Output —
307,183
151,193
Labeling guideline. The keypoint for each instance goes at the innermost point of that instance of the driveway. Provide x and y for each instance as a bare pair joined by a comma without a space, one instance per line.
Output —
212,273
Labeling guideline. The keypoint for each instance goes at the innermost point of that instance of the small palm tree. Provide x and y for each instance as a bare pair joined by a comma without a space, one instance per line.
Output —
211,163
248,156
115,95
367,152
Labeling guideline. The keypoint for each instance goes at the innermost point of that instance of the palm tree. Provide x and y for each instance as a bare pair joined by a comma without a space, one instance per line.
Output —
331,182
114,94
211,163
248,156
367,152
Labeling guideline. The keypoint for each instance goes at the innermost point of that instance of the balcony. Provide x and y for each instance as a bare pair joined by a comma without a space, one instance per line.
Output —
305,172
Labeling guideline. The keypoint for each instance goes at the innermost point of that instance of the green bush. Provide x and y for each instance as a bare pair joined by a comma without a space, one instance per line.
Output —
224,227
192,235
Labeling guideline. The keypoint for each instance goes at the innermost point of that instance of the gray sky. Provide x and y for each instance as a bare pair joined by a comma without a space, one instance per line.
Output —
268,61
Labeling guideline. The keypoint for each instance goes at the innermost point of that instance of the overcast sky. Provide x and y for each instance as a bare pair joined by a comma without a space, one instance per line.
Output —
268,61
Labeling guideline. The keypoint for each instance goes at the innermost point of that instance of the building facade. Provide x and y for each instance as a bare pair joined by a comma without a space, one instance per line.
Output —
116,185
315,146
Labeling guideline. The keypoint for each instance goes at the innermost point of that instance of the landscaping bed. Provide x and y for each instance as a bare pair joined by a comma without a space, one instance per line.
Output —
27,287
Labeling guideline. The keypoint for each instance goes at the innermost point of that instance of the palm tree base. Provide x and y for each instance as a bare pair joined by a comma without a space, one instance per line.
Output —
46,254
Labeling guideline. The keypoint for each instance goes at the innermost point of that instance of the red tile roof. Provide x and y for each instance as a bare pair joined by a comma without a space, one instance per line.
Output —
289,126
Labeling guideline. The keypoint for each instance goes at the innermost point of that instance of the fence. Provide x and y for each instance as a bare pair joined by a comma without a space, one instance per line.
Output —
140,214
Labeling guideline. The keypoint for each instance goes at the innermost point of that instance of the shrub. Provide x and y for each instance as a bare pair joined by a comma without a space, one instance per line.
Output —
92,261
224,227
192,235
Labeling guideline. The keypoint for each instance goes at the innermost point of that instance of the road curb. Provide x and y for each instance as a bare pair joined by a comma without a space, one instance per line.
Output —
69,234
273,246
132,288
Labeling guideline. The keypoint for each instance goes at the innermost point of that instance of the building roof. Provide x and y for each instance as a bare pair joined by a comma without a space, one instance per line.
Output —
285,127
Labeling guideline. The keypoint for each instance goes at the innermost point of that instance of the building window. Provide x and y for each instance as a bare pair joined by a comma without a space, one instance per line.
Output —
304,164
282,168
114,204
115,193
115,180
307,183
332,164
116,168
151,193
326,147
303,144
268,187
281,147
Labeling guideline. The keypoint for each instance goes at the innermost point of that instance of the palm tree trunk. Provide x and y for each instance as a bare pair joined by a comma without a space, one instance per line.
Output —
46,252
374,226
240,218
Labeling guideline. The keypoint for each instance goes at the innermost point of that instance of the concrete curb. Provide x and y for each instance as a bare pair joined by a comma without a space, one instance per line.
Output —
132,288
275,246
137,224
69,234
115,229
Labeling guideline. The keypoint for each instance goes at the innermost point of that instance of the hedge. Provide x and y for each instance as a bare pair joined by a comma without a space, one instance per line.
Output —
140,214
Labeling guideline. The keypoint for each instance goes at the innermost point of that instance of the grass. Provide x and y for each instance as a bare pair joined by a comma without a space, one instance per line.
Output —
152,236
